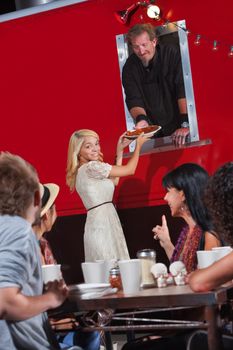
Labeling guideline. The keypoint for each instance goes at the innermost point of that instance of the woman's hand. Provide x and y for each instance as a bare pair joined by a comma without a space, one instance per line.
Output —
142,138
161,233
122,143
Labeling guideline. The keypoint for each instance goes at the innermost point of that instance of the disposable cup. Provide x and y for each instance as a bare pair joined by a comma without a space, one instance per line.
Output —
205,258
222,251
108,265
51,273
130,275
93,272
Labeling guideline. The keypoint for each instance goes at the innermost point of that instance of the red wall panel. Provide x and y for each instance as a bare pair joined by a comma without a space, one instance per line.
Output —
59,72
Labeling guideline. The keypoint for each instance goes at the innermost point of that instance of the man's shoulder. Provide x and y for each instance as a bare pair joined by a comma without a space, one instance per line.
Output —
131,66
132,60
12,218
13,225
168,49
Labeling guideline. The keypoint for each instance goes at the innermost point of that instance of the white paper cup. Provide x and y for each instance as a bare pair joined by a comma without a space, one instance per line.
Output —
130,275
222,251
93,272
205,258
108,265
51,273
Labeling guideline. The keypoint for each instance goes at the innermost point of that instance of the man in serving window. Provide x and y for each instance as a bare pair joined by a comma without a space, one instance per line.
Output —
153,82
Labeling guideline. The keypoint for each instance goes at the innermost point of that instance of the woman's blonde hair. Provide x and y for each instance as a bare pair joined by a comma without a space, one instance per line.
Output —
75,144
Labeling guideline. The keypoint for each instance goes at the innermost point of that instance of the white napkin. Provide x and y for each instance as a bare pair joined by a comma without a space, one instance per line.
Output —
96,294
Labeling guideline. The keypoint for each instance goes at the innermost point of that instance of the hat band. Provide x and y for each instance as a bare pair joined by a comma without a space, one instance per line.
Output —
45,196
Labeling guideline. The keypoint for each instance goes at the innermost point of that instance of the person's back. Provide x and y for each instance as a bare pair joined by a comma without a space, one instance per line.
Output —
23,304
22,251
6,341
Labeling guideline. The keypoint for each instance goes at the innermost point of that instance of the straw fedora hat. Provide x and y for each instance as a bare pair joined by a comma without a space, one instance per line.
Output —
48,194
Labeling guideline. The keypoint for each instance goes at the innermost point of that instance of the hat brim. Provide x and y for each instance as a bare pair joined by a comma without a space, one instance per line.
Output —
53,192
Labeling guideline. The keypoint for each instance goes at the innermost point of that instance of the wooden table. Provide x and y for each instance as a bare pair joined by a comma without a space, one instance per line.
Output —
157,299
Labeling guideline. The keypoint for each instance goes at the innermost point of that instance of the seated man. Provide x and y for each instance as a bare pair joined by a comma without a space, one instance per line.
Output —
219,198
21,285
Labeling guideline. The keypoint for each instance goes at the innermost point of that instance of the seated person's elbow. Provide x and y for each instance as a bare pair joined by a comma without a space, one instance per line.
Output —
199,286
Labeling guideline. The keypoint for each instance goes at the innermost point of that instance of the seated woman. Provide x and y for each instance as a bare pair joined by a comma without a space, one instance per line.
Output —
185,186
219,198
48,215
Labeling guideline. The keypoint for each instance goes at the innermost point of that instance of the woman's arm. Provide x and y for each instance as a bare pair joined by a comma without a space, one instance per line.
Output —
130,167
213,276
211,241
121,144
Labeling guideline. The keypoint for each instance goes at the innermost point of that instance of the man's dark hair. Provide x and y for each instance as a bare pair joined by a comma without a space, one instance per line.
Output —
219,199
18,184
138,29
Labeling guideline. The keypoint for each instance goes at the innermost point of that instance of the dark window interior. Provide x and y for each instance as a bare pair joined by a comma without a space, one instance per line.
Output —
7,6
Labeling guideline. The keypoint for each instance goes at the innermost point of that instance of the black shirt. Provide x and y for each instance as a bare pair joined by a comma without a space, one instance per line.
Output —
156,88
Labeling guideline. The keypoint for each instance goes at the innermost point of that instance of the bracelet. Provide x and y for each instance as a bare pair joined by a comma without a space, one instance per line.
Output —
143,117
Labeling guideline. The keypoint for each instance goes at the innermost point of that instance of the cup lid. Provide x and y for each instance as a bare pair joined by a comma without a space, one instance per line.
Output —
146,253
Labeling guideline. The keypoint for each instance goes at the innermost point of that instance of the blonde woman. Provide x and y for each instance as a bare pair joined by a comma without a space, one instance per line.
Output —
95,182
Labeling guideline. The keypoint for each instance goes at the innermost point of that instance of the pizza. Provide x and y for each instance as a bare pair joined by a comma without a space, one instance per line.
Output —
146,130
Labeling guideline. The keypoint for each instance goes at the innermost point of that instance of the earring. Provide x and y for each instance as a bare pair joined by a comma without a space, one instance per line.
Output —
183,207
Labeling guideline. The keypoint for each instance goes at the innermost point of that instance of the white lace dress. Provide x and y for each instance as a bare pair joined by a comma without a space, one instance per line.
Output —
103,236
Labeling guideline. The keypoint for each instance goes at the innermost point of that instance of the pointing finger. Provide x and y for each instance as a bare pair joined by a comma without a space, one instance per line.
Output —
164,221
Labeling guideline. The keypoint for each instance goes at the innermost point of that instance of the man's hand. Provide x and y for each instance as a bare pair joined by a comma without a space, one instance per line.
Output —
179,136
57,292
141,124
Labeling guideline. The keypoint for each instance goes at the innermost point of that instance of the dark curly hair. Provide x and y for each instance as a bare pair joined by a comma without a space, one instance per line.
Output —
18,184
219,199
